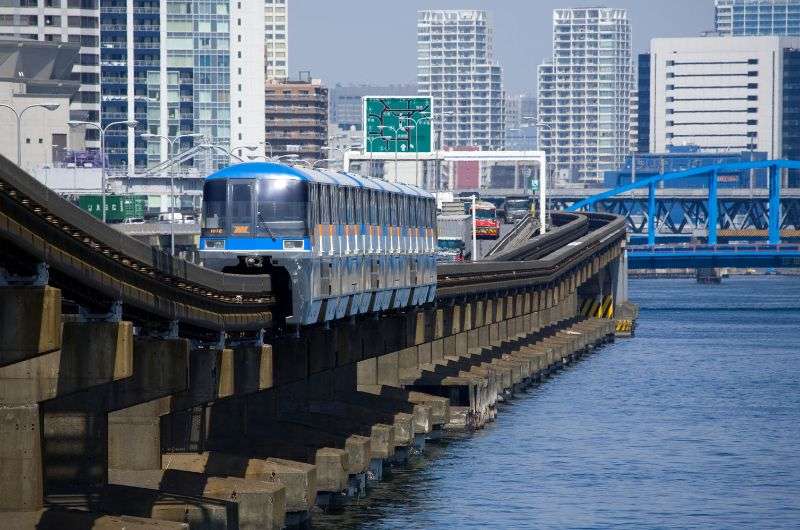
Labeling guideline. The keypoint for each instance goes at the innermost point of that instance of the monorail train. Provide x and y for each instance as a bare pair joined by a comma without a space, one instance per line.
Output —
335,243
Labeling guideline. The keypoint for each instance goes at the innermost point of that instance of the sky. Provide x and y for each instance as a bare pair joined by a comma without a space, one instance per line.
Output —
374,41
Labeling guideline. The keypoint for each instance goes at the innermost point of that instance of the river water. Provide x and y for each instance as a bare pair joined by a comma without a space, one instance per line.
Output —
695,423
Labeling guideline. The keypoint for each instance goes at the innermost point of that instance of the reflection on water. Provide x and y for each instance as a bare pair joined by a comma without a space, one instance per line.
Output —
695,423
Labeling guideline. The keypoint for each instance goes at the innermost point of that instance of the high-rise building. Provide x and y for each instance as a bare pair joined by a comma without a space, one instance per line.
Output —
276,37
73,21
456,68
179,67
346,111
584,93
296,118
757,17
725,94
520,123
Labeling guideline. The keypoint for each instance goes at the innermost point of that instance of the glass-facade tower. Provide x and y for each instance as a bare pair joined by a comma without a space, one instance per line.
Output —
757,17
180,67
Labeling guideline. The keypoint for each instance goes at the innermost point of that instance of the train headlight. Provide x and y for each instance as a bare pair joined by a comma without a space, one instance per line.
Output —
215,244
292,244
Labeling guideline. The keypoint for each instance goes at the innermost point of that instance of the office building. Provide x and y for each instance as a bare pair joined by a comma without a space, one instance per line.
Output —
346,101
36,73
724,94
178,67
72,21
296,118
456,67
276,38
584,93
757,17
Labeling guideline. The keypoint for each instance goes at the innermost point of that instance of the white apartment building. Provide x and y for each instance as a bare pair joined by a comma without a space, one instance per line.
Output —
74,21
719,93
456,68
584,93
276,36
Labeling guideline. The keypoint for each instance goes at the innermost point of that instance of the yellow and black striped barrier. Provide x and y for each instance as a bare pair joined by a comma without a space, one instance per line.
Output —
598,308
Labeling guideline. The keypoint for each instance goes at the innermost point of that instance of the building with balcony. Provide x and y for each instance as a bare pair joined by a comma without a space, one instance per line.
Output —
296,118
584,94
70,21
757,17
456,68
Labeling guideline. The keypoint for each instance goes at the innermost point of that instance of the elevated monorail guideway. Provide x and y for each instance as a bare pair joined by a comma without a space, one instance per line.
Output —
99,267
323,244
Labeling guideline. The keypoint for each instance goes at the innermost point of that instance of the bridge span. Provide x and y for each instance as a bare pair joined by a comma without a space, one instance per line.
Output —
778,216
142,391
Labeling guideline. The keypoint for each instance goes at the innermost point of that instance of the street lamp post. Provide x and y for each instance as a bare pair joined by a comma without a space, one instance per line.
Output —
542,184
396,141
171,142
18,115
131,124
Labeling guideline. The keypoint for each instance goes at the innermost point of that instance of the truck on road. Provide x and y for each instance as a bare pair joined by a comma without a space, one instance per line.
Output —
454,232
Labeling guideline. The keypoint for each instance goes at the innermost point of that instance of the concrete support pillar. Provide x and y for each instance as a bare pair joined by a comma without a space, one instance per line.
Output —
134,434
134,438
438,331
21,488
467,313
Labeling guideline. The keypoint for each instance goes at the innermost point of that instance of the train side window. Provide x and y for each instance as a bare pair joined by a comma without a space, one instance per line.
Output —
326,204
351,205
373,207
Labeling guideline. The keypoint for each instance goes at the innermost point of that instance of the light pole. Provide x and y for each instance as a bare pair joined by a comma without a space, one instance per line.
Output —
371,151
18,115
416,152
542,184
396,146
131,124
474,232
171,142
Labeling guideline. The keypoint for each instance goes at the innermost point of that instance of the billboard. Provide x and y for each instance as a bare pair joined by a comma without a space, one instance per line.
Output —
399,124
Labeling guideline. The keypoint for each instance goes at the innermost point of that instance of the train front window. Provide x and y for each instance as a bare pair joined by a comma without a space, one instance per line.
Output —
281,208
215,199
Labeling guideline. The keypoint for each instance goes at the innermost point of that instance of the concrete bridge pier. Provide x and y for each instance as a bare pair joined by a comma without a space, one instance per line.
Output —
42,362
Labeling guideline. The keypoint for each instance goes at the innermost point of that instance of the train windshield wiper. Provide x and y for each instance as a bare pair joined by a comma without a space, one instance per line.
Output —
265,225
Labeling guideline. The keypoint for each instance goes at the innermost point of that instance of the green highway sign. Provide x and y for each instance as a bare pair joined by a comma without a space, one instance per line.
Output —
397,124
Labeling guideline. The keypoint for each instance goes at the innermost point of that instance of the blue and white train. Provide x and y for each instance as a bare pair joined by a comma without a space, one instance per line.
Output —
335,243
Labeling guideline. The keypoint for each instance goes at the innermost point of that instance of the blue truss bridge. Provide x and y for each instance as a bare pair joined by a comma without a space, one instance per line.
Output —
741,229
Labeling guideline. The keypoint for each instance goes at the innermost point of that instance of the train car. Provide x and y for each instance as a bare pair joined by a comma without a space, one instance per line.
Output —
486,224
336,244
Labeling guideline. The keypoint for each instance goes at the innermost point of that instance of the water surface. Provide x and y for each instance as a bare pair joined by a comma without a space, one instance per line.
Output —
693,424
